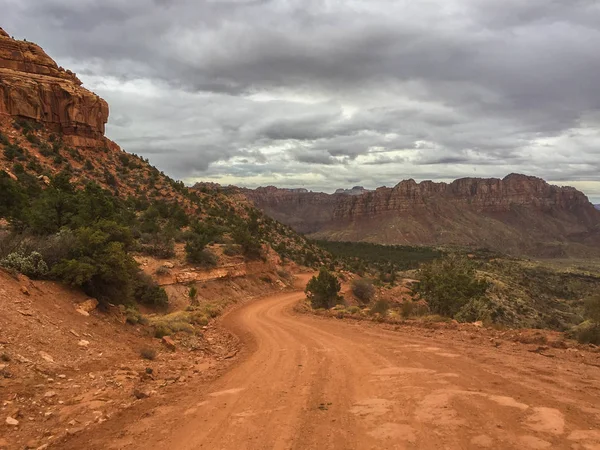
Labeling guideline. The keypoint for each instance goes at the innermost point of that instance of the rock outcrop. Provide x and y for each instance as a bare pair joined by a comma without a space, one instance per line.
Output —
518,212
33,86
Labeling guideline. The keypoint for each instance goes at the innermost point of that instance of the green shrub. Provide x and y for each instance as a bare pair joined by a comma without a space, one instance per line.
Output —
171,323
592,308
251,247
448,284
380,307
13,151
32,265
193,294
323,290
232,250
587,332
134,317
363,290
406,308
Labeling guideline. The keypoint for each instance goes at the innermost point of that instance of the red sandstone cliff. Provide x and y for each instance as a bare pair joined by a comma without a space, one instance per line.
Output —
515,213
34,87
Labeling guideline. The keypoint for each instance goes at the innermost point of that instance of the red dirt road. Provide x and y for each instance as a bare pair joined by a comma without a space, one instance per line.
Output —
305,382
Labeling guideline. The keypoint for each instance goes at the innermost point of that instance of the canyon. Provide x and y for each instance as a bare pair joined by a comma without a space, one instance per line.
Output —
518,213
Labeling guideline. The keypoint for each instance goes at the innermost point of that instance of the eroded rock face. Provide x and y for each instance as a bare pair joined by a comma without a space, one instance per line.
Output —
33,86
513,212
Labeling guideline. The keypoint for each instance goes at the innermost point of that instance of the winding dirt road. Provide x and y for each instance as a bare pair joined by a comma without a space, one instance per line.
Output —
305,382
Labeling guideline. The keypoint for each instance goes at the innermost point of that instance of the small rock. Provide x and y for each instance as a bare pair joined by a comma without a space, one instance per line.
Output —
74,333
169,265
82,312
12,422
478,324
170,343
50,394
24,290
83,343
141,393
89,305
46,357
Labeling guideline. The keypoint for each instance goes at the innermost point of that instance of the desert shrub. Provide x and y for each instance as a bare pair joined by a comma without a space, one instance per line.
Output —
587,332
162,270
12,197
193,294
148,353
448,284
323,290
13,151
171,323
134,317
232,250
380,307
199,318
160,245
363,290
406,308
4,140
194,248
32,265
250,245
204,258
592,308
354,310
213,310
484,309
146,291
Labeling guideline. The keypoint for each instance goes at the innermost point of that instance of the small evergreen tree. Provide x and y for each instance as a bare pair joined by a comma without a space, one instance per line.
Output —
323,290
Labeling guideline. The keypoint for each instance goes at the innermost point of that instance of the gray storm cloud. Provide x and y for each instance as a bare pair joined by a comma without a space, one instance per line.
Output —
258,92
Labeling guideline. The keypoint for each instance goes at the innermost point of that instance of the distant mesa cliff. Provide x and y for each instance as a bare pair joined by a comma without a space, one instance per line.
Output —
517,213
356,190
32,86
597,207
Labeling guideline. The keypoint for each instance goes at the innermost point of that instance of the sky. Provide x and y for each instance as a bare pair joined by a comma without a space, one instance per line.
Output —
325,94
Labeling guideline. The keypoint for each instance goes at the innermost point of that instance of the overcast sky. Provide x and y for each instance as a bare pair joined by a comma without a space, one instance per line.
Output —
330,93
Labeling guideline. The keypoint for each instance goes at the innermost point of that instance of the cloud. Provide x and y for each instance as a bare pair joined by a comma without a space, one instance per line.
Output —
276,91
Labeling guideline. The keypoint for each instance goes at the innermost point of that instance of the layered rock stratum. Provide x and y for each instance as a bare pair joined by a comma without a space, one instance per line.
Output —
518,213
33,86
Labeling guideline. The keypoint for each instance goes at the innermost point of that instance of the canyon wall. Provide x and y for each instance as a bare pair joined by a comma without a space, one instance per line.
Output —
33,86
515,212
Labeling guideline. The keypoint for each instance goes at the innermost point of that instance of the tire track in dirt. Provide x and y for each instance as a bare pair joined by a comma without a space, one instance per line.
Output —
306,382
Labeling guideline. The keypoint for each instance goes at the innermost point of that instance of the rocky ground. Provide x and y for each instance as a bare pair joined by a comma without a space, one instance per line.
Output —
65,364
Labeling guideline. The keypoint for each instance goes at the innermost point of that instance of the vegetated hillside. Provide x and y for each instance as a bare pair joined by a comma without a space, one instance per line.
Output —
77,208
519,214
412,283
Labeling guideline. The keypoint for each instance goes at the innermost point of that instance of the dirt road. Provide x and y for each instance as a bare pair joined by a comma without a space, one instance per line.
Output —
306,382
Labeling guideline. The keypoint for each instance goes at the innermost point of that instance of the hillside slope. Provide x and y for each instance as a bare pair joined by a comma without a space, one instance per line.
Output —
519,213
51,125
